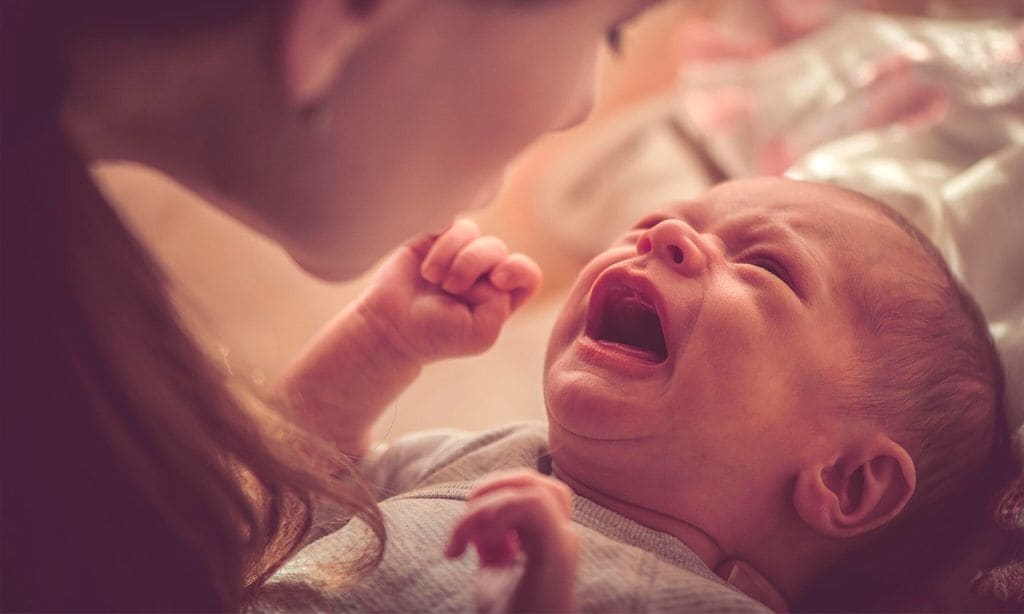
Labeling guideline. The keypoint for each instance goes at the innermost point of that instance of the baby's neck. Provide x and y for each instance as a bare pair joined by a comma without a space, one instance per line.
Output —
703,544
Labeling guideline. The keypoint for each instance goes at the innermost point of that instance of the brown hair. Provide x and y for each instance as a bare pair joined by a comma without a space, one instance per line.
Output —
136,475
933,376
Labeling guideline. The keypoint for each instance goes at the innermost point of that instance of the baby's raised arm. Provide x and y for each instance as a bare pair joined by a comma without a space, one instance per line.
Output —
438,296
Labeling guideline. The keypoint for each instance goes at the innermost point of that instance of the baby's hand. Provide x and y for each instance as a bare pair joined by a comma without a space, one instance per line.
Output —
515,515
448,295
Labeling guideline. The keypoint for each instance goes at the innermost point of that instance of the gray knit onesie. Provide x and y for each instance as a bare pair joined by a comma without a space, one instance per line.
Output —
422,482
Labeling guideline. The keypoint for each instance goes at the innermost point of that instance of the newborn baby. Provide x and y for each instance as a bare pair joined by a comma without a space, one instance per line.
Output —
780,372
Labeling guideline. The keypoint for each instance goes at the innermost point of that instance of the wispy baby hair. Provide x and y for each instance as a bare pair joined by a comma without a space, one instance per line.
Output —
931,374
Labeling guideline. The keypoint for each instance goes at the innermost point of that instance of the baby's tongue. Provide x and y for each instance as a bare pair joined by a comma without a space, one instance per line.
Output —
634,328
632,350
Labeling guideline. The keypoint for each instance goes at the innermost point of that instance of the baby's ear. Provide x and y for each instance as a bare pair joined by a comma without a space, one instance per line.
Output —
864,488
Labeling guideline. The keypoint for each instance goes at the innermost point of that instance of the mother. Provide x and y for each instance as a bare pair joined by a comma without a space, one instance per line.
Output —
135,474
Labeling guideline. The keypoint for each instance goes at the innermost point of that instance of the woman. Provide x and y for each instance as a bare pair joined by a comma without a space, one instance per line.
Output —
135,474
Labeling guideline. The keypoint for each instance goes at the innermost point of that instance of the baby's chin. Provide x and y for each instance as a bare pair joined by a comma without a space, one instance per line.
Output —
587,405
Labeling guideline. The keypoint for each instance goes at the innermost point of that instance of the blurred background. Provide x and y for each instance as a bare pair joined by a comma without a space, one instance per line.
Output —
921,103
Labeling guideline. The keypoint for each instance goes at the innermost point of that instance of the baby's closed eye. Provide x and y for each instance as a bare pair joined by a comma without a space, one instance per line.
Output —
771,265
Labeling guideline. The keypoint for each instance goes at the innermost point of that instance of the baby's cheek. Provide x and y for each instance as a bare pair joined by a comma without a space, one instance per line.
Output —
568,326
740,327
741,350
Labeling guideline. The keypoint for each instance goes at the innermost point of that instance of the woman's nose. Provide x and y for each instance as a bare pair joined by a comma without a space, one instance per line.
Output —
676,244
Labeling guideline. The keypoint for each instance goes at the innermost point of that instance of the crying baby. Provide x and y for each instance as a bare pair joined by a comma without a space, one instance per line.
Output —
779,372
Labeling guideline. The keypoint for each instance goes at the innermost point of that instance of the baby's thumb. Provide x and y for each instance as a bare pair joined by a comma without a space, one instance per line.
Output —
753,584
490,307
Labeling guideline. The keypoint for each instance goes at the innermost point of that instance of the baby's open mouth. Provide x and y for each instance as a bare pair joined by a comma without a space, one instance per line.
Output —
627,318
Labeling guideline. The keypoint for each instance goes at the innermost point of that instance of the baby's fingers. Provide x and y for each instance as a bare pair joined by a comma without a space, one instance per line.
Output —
495,545
471,527
490,308
521,517
536,517
488,524
525,479
447,246
473,261
518,275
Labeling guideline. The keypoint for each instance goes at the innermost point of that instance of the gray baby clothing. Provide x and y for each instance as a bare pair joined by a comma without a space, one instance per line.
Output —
422,483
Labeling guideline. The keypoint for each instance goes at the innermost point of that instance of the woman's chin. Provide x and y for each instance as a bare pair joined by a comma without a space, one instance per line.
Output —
488,192
332,269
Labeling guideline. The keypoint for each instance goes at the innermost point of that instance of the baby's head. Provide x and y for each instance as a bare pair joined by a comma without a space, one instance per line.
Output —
776,362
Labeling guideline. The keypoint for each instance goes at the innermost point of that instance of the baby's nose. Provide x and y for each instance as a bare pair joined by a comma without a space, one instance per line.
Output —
676,244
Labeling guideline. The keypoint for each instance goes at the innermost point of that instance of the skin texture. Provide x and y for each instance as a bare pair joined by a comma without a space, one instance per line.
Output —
338,133
751,281
436,297
379,343
752,284
464,287
520,513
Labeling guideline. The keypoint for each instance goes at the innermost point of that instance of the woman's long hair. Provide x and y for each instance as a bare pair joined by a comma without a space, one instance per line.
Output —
135,474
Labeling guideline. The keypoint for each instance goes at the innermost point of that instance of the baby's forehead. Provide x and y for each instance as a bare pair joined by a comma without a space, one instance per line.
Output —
815,212
847,237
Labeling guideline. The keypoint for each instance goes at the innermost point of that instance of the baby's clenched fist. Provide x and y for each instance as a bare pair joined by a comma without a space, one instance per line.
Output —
448,295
